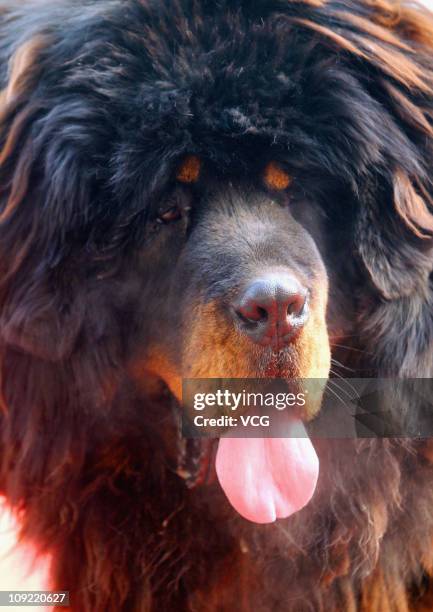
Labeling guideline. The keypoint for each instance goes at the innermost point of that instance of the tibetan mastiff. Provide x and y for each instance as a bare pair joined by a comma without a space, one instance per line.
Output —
201,189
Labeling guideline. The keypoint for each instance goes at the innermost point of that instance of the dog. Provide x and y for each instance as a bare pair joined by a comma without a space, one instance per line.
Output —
214,190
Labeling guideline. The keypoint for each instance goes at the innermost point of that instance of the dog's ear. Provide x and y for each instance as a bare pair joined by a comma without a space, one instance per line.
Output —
39,179
388,47
395,236
395,228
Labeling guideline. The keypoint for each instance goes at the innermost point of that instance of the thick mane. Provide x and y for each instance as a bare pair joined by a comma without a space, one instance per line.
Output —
390,43
78,455
59,141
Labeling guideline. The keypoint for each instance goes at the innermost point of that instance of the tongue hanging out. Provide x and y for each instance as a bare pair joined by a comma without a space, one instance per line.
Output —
268,478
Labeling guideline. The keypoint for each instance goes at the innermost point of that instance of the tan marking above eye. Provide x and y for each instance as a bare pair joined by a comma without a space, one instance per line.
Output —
276,177
189,169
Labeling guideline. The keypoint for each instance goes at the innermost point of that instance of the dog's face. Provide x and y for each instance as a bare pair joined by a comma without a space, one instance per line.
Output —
244,288
185,211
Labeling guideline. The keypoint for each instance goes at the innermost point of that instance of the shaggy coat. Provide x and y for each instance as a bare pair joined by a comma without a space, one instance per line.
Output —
100,100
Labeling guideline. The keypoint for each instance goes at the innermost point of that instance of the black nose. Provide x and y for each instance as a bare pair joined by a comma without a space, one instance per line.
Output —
272,309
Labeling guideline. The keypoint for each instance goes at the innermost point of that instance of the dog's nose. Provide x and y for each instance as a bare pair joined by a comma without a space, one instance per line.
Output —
272,309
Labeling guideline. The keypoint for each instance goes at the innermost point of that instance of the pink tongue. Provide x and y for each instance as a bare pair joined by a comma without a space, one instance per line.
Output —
268,478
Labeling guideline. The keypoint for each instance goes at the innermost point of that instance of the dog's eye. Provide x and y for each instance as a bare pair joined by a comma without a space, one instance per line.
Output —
176,206
171,214
189,169
276,177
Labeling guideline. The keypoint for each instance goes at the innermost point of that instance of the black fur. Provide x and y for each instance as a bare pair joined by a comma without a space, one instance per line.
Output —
104,306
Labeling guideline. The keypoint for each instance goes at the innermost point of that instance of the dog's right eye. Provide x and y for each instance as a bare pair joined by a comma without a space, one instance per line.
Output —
174,213
176,207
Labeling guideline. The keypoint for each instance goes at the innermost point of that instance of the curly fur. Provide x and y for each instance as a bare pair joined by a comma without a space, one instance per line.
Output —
99,102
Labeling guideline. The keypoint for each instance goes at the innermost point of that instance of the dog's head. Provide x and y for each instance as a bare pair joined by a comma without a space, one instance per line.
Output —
182,189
